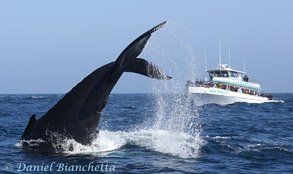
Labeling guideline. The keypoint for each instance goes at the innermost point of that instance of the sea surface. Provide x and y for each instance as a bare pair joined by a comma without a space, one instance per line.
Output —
158,133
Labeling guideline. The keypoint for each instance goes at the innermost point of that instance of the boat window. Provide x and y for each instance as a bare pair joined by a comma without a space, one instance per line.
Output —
219,74
224,74
234,74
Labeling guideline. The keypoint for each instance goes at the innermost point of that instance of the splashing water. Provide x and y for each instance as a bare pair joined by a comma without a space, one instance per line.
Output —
173,129
174,126
176,144
167,142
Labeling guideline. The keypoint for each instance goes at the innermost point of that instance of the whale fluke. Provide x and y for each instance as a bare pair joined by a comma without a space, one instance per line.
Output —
77,114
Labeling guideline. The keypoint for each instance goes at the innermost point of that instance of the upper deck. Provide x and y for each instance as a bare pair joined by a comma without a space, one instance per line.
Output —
231,77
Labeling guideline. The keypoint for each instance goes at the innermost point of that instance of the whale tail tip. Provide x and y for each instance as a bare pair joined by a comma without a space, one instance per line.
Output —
128,61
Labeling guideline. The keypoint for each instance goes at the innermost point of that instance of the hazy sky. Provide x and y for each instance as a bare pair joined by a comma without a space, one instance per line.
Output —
49,46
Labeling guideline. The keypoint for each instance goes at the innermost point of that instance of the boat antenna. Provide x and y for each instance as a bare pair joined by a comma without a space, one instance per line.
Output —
229,57
205,60
220,55
243,64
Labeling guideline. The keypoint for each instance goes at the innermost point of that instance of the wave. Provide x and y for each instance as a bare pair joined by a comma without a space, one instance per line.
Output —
38,97
246,147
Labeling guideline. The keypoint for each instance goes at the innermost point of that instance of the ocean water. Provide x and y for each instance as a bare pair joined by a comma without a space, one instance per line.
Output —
158,133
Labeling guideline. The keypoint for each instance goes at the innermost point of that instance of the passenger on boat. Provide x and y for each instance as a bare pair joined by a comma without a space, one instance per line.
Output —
211,77
262,94
231,88
245,78
239,90
207,85
270,97
234,89
189,83
196,83
200,82
219,85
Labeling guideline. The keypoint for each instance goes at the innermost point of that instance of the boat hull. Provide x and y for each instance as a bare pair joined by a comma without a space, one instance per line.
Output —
203,95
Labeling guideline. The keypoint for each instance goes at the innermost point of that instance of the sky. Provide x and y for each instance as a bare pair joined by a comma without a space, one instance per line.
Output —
50,46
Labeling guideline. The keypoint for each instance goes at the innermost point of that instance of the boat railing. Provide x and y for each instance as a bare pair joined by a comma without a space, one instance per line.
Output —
253,81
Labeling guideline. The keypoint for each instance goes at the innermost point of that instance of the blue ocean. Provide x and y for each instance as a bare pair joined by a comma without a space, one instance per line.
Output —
157,133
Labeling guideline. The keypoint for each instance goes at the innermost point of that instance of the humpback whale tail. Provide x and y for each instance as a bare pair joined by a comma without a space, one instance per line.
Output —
77,114
128,61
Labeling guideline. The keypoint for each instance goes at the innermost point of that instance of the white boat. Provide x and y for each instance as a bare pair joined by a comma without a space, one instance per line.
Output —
227,86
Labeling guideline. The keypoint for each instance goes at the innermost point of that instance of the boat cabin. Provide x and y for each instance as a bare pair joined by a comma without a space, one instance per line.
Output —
225,72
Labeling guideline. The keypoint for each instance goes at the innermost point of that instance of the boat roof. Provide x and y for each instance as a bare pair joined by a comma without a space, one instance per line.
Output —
228,69
222,67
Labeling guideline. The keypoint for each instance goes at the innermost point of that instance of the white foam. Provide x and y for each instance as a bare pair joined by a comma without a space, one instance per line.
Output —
166,142
31,143
222,137
176,144
37,97
106,141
